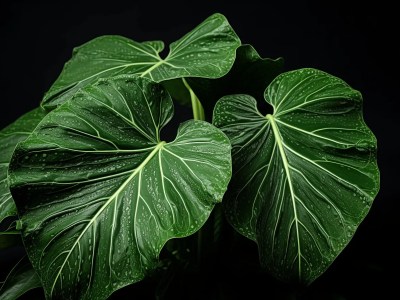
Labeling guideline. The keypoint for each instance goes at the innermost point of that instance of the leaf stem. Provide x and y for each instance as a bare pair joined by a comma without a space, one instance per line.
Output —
198,111
198,114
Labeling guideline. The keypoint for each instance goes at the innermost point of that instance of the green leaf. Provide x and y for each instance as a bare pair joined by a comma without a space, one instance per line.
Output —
10,136
21,279
304,177
206,51
250,74
99,193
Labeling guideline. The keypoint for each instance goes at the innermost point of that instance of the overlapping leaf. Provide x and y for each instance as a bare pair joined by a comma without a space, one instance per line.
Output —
207,51
99,193
304,177
19,281
250,75
9,138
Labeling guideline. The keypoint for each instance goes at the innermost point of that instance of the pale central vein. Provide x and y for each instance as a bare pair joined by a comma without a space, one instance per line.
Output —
159,63
113,197
278,140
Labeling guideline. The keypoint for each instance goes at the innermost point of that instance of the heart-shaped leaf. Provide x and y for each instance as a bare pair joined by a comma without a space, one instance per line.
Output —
305,176
10,136
208,51
99,193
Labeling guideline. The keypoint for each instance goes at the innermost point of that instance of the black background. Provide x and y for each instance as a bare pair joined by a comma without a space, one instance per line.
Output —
355,42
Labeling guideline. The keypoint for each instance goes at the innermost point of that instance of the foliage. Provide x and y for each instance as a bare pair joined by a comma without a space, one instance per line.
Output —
96,193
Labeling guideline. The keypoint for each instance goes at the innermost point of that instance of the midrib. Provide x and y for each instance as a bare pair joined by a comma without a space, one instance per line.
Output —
278,140
106,204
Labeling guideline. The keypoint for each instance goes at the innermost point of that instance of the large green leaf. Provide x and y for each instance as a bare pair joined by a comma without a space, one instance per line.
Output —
305,176
99,193
10,136
20,280
206,51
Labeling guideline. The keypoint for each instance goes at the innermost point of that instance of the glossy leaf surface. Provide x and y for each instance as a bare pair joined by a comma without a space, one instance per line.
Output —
10,136
99,193
304,176
208,51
